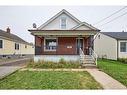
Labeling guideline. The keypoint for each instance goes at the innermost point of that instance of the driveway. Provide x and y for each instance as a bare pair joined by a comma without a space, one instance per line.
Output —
11,66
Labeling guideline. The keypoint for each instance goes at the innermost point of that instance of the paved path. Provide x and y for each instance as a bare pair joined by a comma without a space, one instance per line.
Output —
31,69
14,62
11,66
105,80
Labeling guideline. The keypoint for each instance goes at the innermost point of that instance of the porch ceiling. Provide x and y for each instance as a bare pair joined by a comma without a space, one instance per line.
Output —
63,32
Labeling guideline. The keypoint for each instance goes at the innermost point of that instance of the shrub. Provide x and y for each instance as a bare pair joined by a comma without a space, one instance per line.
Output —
50,64
62,61
124,60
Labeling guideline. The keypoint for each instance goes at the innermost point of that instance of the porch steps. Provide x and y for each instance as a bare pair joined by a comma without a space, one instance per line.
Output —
91,66
88,62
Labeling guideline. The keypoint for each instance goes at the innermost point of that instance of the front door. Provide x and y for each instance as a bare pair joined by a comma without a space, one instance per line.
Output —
79,44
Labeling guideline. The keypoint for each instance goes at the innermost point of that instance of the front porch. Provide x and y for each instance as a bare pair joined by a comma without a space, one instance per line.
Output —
62,45
56,44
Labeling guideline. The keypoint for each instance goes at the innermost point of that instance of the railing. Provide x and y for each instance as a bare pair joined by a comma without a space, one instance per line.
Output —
81,53
93,54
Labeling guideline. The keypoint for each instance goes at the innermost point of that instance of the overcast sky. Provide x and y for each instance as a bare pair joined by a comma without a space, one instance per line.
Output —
20,18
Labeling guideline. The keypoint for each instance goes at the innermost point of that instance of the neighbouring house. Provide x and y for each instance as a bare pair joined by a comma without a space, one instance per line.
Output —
63,36
13,46
111,45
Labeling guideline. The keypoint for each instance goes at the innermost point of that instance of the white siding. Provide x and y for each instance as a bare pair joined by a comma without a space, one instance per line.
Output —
106,47
9,48
121,54
55,24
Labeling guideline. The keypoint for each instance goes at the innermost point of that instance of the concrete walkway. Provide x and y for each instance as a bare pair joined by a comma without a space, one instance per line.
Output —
105,80
12,61
31,69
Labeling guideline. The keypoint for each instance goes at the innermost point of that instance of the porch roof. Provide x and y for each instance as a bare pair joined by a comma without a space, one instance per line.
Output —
64,32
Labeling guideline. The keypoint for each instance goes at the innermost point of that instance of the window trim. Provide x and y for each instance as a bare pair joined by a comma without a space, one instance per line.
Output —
126,46
2,44
61,23
45,44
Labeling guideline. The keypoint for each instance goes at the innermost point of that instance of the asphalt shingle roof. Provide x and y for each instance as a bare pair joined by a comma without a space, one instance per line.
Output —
117,35
12,37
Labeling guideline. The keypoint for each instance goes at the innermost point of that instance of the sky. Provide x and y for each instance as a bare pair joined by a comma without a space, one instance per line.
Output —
21,18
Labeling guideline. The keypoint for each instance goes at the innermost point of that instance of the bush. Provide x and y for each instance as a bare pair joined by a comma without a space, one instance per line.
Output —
124,60
62,61
50,64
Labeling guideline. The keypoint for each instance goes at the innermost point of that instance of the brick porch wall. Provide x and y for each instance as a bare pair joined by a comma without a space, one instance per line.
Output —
64,43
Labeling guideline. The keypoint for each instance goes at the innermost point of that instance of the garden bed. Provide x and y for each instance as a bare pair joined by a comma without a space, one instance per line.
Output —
49,64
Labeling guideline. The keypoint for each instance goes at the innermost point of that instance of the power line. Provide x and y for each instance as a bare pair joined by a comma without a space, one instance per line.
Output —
111,15
114,19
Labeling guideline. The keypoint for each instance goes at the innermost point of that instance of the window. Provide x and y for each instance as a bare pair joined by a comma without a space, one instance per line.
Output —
1,43
16,46
50,44
123,46
25,46
63,23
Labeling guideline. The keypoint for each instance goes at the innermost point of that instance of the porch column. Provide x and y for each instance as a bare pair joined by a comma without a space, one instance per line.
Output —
91,41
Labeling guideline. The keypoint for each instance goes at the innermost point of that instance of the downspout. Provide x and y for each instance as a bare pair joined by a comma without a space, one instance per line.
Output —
117,49
94,39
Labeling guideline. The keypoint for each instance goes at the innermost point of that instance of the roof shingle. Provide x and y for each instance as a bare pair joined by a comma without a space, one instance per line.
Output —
117,35
12,37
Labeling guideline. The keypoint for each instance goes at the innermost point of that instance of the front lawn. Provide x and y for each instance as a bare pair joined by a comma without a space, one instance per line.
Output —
116,69
49,80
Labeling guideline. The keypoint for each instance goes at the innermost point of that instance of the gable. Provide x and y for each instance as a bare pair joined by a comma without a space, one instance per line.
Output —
55,24
72,23
83,27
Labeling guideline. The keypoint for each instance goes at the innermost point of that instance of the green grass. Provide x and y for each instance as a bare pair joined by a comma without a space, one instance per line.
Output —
49,80
116,69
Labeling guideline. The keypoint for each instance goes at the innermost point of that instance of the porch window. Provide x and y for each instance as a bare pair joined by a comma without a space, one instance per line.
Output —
63,23
123,46
16,46
50,44
1,44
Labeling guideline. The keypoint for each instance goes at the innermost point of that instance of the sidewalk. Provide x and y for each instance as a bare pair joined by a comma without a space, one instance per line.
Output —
62,69
105,80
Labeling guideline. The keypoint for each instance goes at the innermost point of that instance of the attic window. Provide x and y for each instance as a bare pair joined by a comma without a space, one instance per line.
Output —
63,23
